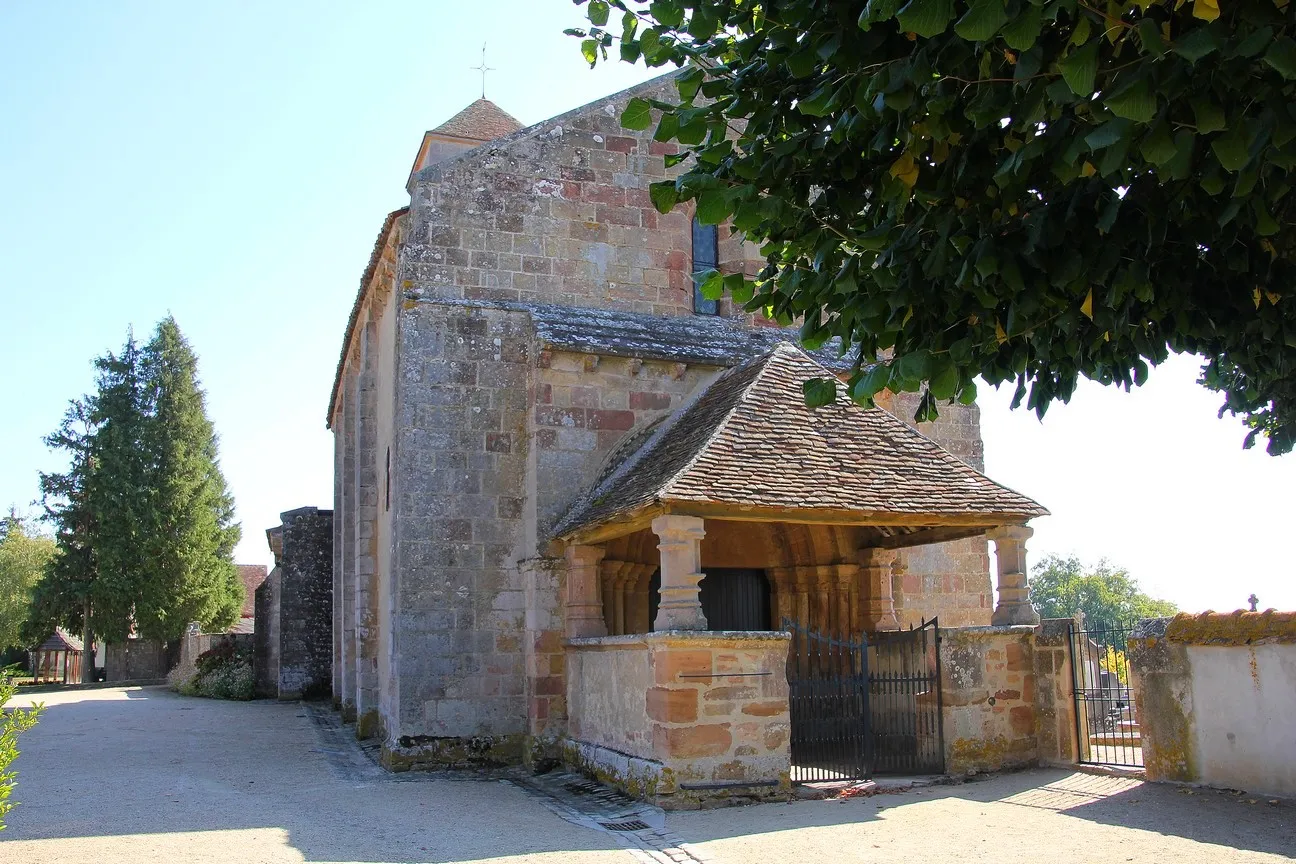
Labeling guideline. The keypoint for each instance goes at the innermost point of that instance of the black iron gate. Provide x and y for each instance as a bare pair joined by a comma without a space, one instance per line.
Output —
1107,730
863,707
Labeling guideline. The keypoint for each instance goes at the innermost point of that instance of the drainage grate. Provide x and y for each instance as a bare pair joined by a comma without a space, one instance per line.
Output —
632,825
583,788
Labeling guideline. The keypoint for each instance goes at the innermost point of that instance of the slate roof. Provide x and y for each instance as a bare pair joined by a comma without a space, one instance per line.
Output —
61,640
748,441
483,120
705,339
252,575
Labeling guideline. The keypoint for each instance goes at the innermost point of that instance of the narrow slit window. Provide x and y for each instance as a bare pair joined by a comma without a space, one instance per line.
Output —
706,256
387,483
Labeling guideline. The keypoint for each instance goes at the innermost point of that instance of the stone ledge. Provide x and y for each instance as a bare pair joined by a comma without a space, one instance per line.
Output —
691,638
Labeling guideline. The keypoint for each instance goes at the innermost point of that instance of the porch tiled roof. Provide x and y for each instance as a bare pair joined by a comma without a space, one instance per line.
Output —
750,442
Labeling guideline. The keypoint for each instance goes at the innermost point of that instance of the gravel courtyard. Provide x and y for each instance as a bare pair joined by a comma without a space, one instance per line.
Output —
143,775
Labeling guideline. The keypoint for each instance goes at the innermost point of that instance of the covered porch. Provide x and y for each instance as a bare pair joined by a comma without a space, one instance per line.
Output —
710,535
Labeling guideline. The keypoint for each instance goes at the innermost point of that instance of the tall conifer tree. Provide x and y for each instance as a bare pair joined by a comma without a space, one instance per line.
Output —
190,539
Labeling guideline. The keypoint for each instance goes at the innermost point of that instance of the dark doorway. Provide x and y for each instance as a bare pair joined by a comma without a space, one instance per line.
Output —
733,598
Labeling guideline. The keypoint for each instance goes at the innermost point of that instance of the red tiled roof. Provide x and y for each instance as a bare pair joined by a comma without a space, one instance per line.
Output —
483,120
749,441
252,575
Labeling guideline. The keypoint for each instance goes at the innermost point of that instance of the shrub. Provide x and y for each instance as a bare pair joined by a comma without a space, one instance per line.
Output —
221,672
12,722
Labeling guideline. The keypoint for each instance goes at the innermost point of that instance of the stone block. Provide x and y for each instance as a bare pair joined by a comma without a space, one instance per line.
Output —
672,705
692,742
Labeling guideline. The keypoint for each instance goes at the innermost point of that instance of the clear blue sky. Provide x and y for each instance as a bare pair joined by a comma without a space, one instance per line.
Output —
231,163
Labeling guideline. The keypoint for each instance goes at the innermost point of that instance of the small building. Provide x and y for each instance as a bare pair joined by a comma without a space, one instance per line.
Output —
58,659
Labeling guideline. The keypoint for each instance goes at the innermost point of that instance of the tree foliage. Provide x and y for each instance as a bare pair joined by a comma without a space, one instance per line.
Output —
144,521
24,555
1108,596
12,723
1022,190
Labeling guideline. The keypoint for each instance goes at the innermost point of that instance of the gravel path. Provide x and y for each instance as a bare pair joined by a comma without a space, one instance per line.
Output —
142,776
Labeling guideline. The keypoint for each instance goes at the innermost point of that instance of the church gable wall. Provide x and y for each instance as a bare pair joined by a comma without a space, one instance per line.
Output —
557,214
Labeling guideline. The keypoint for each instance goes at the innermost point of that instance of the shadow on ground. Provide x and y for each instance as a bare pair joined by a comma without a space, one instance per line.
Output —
1051,802
147,775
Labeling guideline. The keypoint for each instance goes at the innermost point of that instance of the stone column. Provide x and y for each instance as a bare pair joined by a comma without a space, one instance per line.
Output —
879,605
637,603
347,515
366,534
845,575
1010,552
680,543
784,605
608,571
584,611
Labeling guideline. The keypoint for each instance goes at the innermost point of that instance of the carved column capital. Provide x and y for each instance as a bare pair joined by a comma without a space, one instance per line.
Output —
680,544
1010,554
584,609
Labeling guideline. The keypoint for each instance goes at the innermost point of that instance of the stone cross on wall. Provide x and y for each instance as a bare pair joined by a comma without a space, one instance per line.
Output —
1254,601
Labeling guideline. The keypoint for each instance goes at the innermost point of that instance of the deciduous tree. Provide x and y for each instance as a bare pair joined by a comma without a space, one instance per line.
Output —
1108,596
24,555
1027,191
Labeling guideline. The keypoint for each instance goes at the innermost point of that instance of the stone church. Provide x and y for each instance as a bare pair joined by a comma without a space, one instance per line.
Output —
575,501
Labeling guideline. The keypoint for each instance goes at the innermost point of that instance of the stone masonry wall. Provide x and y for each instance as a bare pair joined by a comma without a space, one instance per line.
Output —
946,580
265,636
459,475
988,698
699,717
558,213
306,604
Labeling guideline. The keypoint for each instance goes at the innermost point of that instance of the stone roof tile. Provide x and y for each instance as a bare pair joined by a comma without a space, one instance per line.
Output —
748,441
483,120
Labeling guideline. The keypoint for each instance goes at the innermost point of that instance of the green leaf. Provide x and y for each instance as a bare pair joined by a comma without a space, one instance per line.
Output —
871,383
637,114
688,83
664,195
1150,35
669,13
712,285
589,50
1022,31
803,63
1210,117
926,17
1158,147
819,392
598,12
982,20
1136,102
1281,56
817,104
1197,43
1233,149
1080,68
1107,134
713,207
944,381
968,394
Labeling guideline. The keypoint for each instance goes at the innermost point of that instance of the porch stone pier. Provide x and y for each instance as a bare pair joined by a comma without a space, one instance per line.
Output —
879,604
584,608
680,542
1010,550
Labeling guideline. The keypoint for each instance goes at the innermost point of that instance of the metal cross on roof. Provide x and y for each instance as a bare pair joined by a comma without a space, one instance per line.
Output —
483,69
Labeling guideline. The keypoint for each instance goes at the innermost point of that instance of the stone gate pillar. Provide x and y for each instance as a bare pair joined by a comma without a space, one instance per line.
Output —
1010,552
680,543
879,604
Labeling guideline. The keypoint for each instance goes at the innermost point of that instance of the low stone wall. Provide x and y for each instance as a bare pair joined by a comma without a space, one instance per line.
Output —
684,719
988,695
135,660
1215,696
